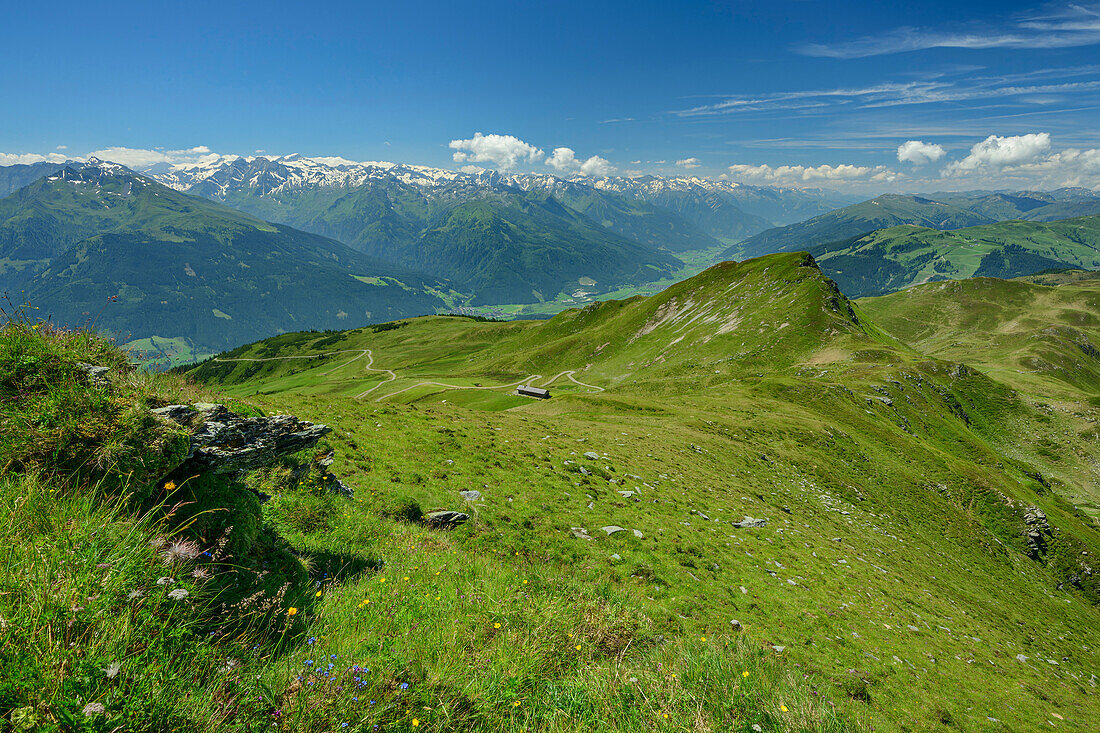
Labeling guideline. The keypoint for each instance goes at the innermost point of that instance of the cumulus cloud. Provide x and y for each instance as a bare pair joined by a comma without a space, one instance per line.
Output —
144,158
997,152
689,163
503,151
1070,167
31,158
1026,160
564,160
919,153
596,166
825,173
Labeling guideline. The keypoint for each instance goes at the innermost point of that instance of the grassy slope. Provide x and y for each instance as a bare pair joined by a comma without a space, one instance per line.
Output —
894,258
892,568
1040,340
397,628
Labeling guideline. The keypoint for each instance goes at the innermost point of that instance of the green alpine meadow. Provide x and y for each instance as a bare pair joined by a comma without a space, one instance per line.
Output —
578,367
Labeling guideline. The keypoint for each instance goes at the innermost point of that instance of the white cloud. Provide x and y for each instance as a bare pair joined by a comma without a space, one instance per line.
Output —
503,151
999,152
596,166
62,147
30,158
472,169
919,153
144,158
562,159
1026,161
1070,167
689,163
792,174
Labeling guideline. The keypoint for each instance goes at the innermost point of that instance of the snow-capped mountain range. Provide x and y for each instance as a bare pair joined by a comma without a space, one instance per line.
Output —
218,176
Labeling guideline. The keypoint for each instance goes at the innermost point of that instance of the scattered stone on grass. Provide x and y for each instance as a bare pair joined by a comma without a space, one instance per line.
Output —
445,518
750,522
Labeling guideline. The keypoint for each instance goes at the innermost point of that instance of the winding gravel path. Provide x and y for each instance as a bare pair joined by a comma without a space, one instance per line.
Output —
392,375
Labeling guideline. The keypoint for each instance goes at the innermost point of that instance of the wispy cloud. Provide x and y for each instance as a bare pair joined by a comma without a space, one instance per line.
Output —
1057,27
1035,87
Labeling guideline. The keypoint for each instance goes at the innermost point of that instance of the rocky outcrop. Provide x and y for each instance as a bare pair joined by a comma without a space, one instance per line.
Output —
97,375
328,478
224,442
445,518
1036,531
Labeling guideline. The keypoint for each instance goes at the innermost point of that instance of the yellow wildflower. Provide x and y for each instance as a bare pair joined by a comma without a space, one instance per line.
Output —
783,708
317,594
416,723
745,673
496,625
291,611
170,486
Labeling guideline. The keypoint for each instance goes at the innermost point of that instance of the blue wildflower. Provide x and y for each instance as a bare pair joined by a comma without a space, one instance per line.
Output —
404,685
309,662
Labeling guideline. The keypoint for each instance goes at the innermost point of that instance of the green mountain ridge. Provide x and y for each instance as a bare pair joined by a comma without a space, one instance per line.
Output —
537,248
856,220
898,257
97,243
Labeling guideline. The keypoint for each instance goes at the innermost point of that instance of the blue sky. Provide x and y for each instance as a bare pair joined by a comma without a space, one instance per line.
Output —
795,92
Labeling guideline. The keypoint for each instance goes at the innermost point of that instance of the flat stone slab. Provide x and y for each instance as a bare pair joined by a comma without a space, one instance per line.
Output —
592,455
612,529
580,533
749,522
445,518
471,495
